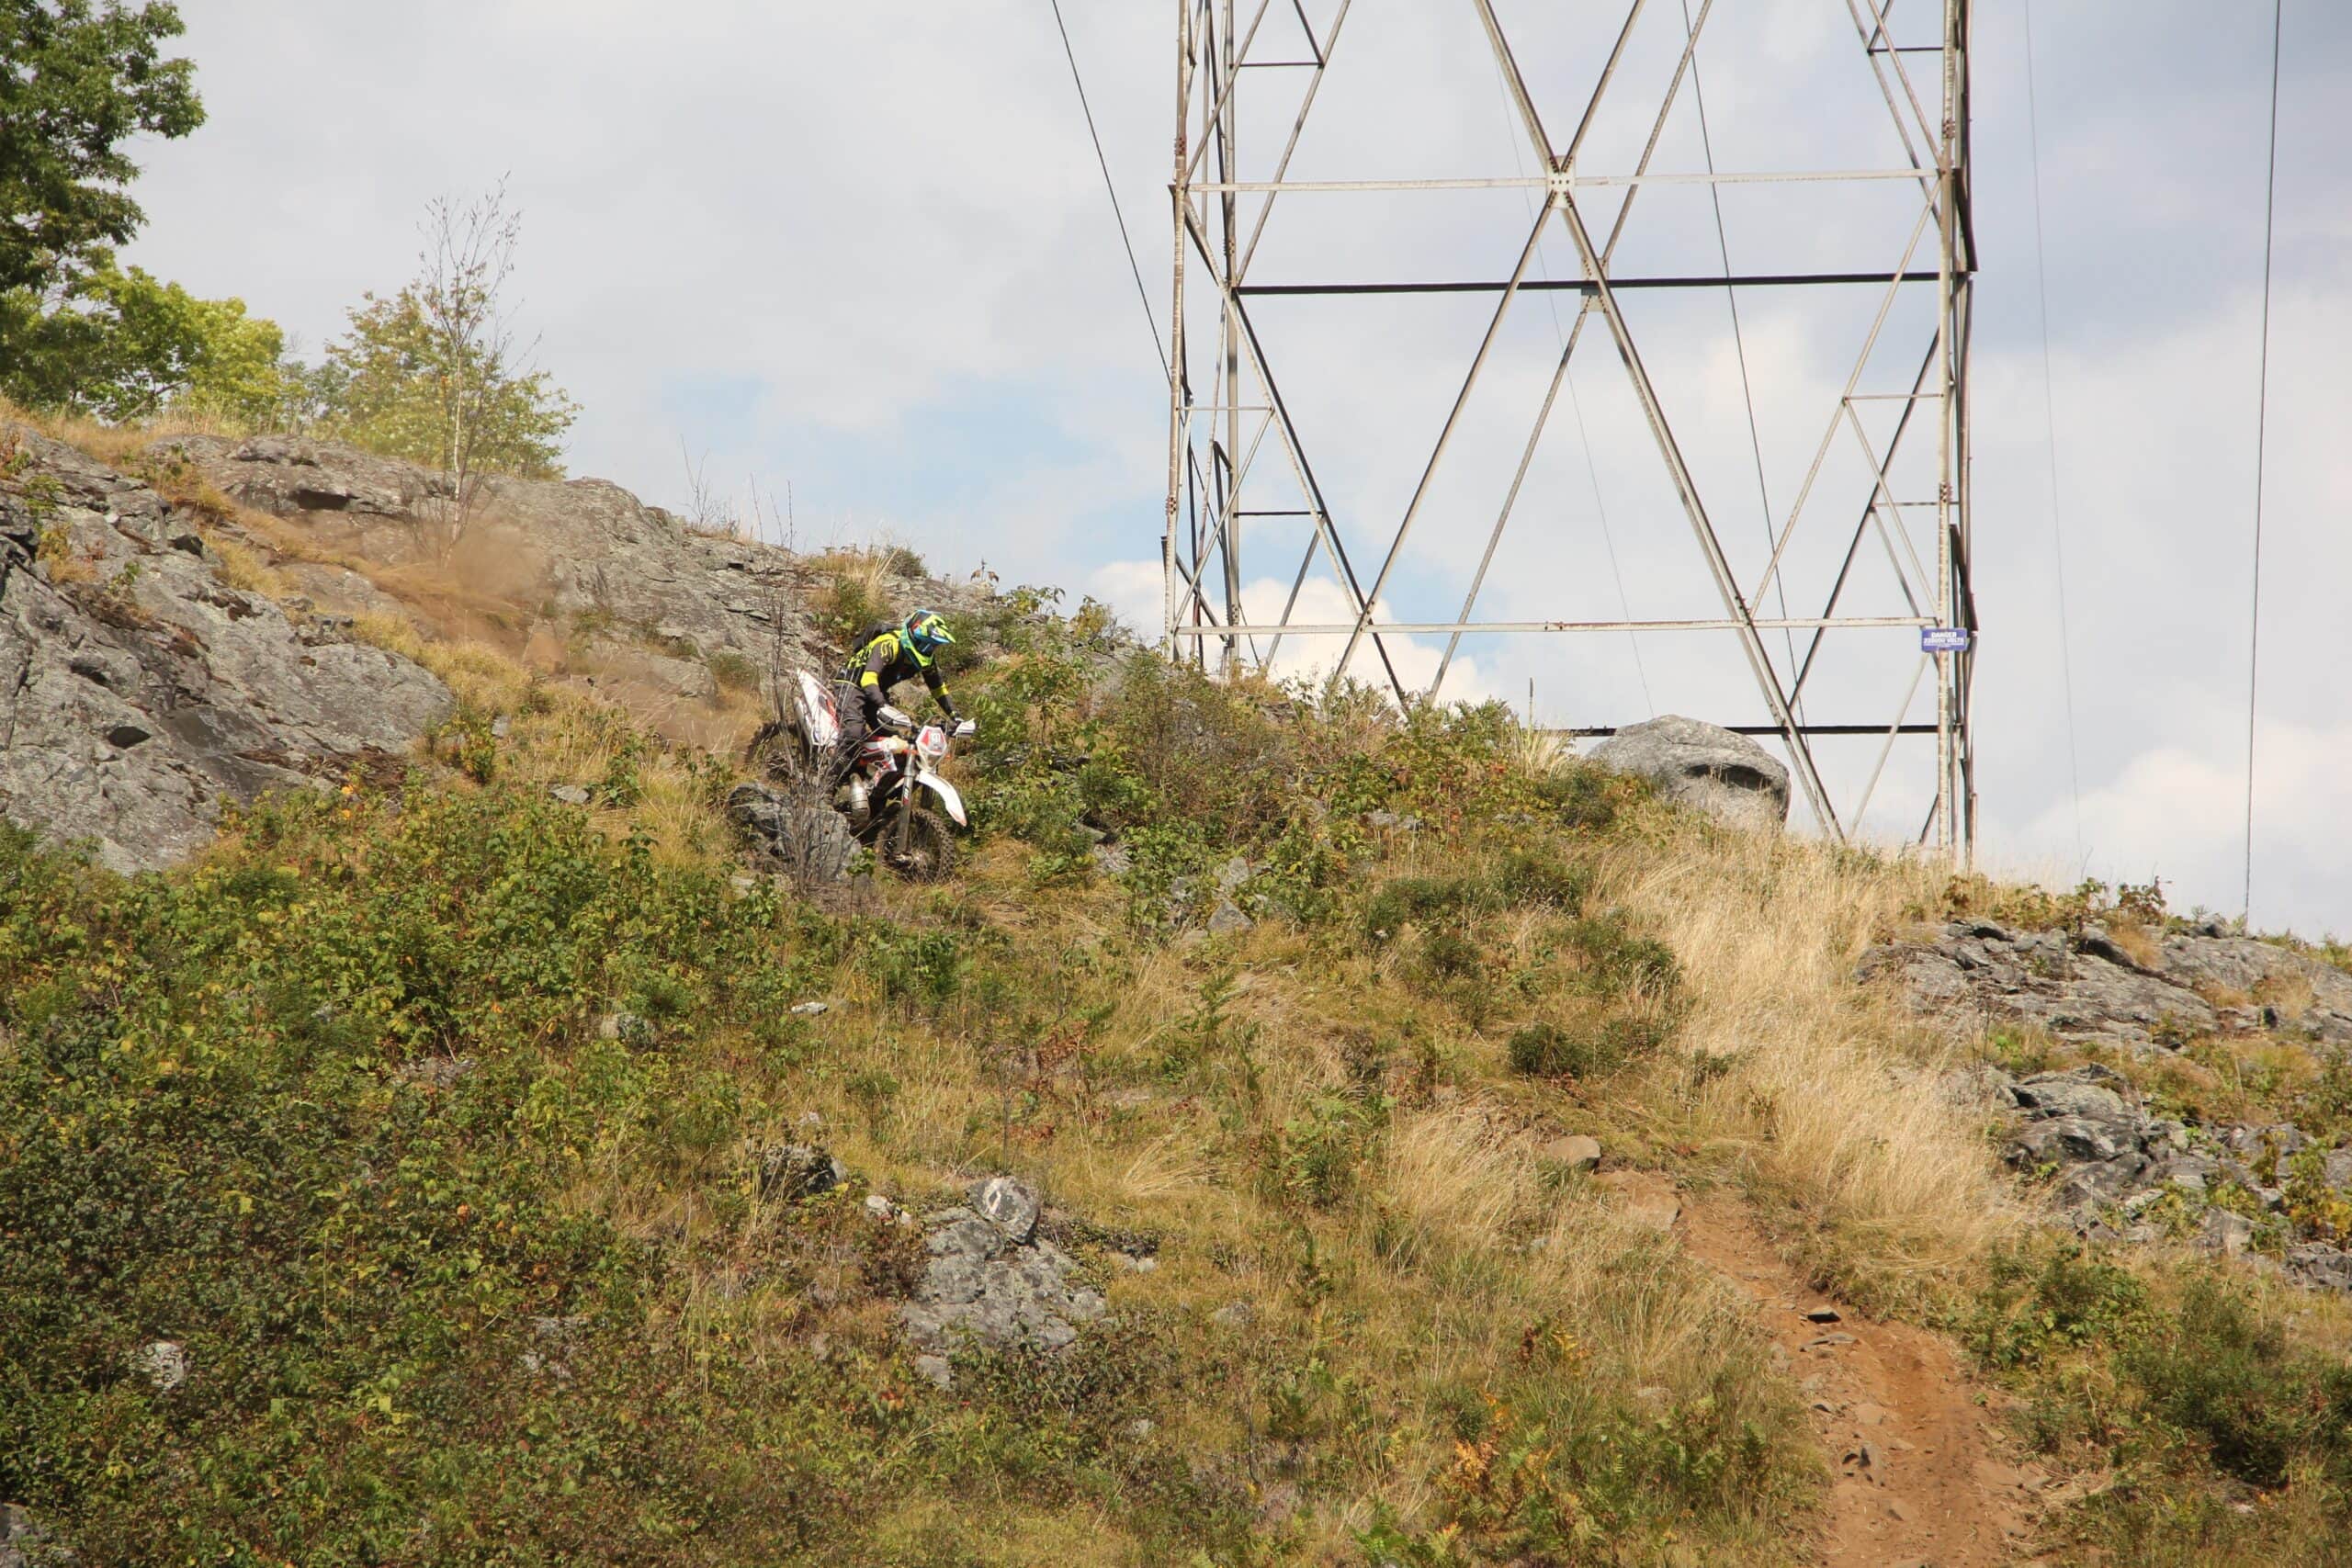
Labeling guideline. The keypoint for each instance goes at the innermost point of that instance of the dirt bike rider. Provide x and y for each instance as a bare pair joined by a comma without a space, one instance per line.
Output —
881,658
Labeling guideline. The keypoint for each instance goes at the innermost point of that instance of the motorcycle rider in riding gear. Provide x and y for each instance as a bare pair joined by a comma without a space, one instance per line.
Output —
880,658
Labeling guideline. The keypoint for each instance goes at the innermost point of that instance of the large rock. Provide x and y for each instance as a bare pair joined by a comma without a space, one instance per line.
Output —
1703,765
797,832
2101,1148
23,1541
584,548
2307,994
2085,986
992,1280
142,691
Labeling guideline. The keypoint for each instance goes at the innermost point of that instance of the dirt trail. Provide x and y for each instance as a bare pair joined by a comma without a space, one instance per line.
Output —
1923,1478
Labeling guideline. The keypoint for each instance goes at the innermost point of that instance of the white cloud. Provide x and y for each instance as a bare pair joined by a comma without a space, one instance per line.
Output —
1133,590
2180,814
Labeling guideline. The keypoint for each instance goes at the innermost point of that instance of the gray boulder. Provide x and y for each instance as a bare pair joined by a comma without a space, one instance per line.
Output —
144,691
2080,1093
1009,1205
1703,765
163,1362
996,1284
2225,1233
797,832
793,1171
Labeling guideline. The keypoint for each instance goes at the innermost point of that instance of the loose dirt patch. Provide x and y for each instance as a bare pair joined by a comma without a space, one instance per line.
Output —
1924,1480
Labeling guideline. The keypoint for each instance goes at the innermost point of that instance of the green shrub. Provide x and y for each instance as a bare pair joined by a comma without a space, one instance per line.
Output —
1585,798
734,673
1547,1049
1450,955
317,1110
2032,1307
1616,962
1530,876
2225,1378
1318,1154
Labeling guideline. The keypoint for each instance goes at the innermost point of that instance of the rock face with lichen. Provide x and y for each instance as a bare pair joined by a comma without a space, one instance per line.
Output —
2113,1168
993,1280
2083,986
581,548
139,690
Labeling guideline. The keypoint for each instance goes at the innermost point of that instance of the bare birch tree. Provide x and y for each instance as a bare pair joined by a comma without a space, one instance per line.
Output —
437,373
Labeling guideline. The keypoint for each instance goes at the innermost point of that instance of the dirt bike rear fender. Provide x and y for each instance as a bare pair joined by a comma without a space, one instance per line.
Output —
819,722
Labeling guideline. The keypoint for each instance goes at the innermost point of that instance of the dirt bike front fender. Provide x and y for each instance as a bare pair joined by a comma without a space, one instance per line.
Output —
949,799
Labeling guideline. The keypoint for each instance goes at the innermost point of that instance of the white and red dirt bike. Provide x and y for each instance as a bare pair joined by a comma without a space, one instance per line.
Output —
892,795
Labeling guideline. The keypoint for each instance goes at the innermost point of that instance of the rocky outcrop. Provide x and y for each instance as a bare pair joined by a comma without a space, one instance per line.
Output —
2083,1128
993,1281
23,1542
138,690
2084,986
1703,765
582,548
2108,1163
2263,1193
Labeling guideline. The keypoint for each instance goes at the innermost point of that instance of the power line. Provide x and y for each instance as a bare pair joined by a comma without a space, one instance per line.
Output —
1740,346
2261,446
1142,293
2050,416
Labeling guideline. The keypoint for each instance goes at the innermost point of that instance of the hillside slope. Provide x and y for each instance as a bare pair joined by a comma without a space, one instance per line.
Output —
1301,1133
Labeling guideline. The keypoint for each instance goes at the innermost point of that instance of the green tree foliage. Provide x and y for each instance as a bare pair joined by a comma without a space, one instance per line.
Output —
437,374
401,384
125,345
76,80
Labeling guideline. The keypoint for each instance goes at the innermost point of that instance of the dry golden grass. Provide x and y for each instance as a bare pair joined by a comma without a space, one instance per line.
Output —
116,445
2292,993
559,734
58,557
1453,1247
2141,945
1818,1094
242,568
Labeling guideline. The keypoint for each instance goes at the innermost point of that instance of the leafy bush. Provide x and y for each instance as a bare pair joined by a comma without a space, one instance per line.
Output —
2033,1307
1547,1049
2222,1376
312,1110
1585,798
1319,1154
2184,1382
1615,960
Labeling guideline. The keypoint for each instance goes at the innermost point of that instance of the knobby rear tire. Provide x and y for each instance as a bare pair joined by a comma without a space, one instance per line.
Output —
777,754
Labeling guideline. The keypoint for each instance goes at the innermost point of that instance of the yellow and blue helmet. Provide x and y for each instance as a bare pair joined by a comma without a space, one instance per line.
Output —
927,634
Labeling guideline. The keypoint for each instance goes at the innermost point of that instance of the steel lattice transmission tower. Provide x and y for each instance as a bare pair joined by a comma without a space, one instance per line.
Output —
1243,483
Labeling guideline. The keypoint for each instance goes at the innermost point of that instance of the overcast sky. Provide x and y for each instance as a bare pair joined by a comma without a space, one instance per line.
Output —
864,250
